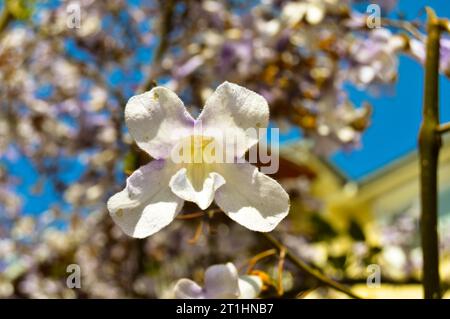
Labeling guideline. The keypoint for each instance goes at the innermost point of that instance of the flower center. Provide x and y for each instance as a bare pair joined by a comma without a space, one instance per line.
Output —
197,149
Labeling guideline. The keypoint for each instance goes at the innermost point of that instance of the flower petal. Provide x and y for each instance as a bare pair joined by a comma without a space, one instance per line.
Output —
249,286
157,119
146,204
232,110
188,289
196,183
221,281
315,13
251,198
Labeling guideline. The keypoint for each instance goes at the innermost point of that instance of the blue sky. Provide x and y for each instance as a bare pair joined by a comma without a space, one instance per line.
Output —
397,114
393,132
395,122
396,118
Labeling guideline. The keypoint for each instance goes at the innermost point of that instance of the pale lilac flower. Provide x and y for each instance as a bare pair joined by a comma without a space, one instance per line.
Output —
417,50
375,58
237,54
189,66
356,20
155,193
221,282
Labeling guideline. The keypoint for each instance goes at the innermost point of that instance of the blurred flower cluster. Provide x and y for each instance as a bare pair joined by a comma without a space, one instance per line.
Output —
62,96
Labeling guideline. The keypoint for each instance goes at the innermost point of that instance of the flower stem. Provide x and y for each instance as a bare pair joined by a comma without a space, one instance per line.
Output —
429,145
308,269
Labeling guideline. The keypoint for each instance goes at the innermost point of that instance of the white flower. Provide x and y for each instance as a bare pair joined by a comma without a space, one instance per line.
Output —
154,194
221,282
312,11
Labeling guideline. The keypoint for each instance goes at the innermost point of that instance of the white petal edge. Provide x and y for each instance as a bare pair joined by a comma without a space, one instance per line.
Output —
200,192
249,286
251,198
230,112
147,204
221,281
157,120
188,289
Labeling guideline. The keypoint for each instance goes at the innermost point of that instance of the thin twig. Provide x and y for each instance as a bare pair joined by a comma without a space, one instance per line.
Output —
445,25
405,25
190,216
254,260
429,145
308,269
443,128
166,26
198,232
280,289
